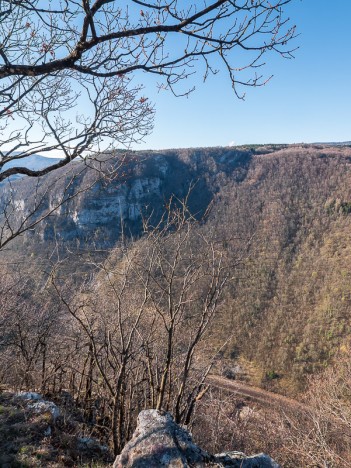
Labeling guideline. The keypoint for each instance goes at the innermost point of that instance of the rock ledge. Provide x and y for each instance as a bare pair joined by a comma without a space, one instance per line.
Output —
159,442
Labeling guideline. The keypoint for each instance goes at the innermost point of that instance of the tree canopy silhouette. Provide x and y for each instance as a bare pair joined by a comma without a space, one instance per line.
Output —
66,67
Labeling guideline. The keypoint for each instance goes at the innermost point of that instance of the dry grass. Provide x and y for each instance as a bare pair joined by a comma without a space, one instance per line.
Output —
35,440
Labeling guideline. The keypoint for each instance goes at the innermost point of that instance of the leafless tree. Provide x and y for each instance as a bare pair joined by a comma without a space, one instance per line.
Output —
143,323
27,331
322,437
66,66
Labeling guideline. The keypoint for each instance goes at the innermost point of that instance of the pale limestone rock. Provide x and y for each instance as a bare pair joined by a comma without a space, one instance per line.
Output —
29,395
159,442
43,406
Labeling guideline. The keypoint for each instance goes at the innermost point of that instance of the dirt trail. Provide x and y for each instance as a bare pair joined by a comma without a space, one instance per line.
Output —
257,394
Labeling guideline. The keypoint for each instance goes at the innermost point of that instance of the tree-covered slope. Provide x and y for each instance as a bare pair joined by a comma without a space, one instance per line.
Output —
290,301
281,214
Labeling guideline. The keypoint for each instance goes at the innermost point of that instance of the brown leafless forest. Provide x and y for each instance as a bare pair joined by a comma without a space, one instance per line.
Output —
262,298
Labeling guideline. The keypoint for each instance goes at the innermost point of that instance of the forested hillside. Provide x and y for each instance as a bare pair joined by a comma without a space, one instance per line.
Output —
136,275
280,214
290,302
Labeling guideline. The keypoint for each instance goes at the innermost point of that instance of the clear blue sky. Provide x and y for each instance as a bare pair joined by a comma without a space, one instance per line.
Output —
308,99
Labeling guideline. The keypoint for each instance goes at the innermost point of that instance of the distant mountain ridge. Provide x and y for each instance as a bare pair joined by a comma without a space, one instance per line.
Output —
335,143
35,162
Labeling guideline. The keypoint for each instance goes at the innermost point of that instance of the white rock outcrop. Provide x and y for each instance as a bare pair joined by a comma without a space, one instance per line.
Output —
159,442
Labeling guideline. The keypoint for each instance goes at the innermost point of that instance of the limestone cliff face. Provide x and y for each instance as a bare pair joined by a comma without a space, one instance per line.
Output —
103,195
159,442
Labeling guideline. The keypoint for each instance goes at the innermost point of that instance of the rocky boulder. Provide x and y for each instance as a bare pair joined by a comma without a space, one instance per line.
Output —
159,442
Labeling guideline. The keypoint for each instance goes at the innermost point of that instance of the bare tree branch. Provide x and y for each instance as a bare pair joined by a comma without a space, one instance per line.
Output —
66,69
